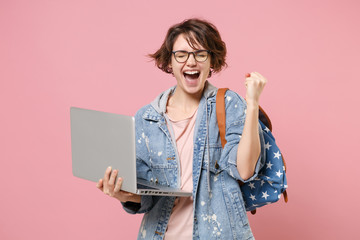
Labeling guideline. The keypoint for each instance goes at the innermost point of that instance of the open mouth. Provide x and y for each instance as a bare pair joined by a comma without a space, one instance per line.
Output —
191,75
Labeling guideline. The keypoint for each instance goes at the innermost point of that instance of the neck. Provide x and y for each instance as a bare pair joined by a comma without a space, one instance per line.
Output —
184,101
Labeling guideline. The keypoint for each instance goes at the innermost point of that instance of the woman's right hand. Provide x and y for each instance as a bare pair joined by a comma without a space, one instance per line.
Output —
107,185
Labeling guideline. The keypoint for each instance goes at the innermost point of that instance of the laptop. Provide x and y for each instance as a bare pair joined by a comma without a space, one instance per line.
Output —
101,139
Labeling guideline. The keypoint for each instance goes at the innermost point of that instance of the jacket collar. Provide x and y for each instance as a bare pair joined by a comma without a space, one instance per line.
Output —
159,103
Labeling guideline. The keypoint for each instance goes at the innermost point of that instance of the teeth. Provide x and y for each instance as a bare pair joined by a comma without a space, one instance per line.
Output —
191,72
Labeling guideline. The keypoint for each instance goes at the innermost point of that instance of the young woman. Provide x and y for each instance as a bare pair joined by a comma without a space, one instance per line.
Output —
178,144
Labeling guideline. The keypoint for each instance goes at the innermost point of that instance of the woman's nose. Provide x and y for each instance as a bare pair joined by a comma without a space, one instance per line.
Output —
191,60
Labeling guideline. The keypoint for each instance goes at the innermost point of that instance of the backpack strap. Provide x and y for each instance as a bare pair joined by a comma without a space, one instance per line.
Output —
220,114
264,118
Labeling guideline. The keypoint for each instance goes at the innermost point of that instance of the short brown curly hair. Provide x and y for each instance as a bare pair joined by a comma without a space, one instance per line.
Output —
196,31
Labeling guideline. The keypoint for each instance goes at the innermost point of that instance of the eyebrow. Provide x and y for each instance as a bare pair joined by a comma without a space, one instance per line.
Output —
188,51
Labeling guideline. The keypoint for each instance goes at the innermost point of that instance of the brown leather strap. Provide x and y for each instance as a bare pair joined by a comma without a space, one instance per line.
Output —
285,196
264,118
283,162
220,113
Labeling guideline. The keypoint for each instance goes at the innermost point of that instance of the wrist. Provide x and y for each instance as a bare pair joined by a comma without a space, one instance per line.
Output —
136,198
251,104
252,101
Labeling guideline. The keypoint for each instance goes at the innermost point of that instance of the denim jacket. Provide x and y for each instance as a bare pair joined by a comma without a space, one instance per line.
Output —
219,211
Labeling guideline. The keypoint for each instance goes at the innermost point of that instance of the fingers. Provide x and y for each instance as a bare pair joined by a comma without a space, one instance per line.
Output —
256,75
118,185
248,78
106,189
107,175
99,184
107,185
114,190
254,83
111,182
255,78
259,75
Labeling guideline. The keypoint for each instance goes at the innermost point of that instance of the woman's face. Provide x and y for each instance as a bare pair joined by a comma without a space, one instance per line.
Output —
190,75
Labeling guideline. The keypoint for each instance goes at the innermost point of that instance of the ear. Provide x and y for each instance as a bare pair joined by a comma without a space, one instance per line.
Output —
169,67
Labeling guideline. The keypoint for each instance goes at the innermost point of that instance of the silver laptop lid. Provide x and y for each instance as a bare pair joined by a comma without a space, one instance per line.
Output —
99,140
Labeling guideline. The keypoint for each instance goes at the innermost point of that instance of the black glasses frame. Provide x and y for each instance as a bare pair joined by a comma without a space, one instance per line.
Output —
194,53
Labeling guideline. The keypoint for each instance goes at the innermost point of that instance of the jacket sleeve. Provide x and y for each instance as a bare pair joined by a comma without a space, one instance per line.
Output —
146,204
235,120
143,169
147,201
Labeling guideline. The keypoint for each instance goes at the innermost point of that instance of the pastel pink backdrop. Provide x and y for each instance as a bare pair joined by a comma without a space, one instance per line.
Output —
91,54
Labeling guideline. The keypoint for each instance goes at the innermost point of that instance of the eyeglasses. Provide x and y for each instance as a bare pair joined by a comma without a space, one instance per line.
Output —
200,55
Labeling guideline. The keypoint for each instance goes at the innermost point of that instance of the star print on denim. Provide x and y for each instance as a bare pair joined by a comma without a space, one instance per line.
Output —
267,146
271,180
277,155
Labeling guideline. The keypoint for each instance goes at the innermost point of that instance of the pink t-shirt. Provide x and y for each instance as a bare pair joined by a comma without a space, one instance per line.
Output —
180,224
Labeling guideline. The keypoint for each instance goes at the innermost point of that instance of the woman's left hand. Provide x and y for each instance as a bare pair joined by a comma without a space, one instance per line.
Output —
254,84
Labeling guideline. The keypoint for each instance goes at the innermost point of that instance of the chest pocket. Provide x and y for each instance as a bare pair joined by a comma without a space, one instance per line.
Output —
165,174
162,161
164,169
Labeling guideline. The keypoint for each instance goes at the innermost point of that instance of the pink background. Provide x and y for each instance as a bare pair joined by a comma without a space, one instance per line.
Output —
91,54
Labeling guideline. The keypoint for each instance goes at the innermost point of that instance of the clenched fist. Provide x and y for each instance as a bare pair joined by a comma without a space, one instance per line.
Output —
254,84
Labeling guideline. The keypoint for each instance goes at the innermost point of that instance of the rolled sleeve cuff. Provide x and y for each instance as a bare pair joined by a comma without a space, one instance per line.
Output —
232,168
233,171
134,208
